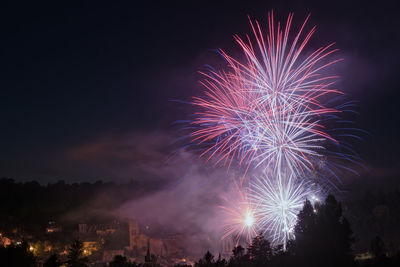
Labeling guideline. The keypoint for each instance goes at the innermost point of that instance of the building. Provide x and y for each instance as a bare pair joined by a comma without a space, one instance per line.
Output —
363,256
99,229
4,241
89,247
83,228
53,227
149,261
137,240
139,243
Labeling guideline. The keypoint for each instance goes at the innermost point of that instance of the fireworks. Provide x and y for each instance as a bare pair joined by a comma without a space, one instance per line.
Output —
269,110
278,202
239,216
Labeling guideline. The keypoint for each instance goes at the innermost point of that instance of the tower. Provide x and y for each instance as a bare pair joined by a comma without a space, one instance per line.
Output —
134,233
149,261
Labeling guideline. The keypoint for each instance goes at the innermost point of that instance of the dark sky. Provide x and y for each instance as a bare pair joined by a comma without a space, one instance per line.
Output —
86,88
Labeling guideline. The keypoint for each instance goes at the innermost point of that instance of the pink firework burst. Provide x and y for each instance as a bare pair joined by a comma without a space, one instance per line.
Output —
267,108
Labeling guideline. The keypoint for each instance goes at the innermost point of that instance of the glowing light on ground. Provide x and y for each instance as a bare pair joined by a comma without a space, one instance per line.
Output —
239,220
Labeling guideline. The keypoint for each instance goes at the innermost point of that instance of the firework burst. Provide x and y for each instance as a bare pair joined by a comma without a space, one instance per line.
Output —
267,108
278,201
239,216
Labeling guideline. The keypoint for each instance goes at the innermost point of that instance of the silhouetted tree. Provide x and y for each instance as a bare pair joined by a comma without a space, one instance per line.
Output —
239,258
121,261
220,262
260,251
52,261
336,232
238,252
323,236
16,256
206,261
282,256
306,221
75,255
377,247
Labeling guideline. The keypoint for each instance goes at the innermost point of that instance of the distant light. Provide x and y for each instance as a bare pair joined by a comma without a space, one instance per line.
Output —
315,198
30,248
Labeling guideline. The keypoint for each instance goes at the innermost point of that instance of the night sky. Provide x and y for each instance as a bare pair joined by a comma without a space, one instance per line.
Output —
88,90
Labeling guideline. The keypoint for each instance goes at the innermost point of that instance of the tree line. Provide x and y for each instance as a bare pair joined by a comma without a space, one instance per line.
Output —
323,237
38,204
